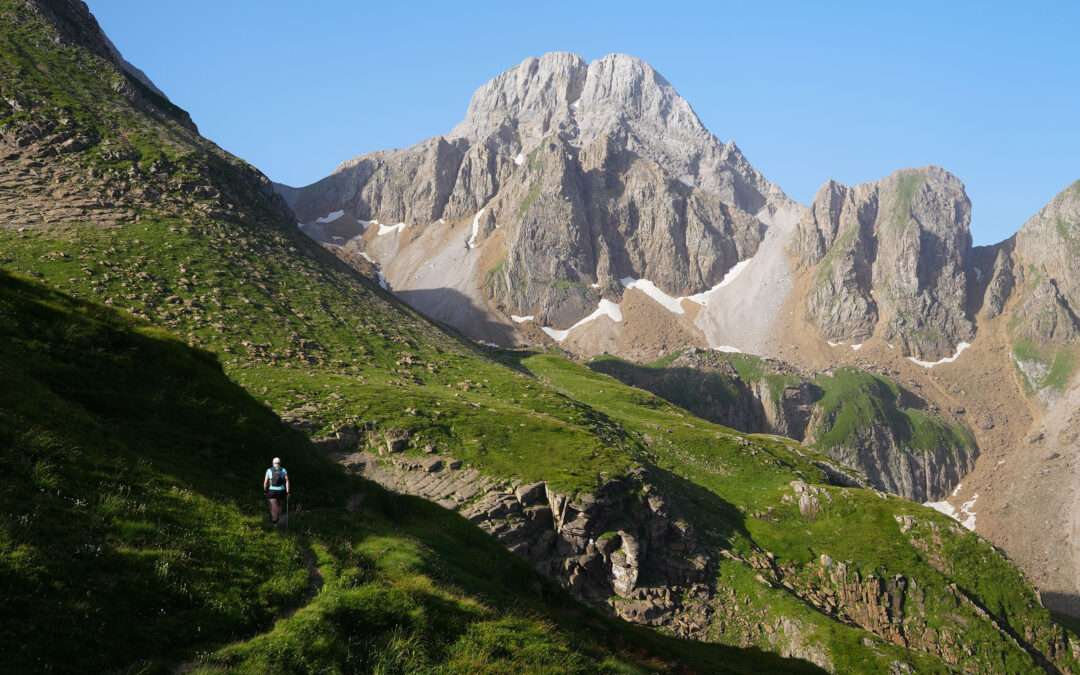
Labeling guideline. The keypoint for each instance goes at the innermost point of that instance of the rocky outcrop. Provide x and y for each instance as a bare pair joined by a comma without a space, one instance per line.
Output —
921,475
891,260
622,548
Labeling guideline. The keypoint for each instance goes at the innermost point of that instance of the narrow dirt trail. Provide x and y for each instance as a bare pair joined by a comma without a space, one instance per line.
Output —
315,584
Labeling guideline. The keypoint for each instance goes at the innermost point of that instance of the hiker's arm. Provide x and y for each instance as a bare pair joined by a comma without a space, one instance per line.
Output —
287,488
266,481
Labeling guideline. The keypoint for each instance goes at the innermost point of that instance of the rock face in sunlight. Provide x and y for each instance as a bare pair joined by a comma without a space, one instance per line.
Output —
892,254
586,174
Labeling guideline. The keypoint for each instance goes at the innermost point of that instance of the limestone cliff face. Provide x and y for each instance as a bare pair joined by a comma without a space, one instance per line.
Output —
1047,248
579,221
594,172
892,259
398,185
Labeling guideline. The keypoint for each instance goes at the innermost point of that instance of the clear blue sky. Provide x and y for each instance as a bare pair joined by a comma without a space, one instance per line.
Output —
809,90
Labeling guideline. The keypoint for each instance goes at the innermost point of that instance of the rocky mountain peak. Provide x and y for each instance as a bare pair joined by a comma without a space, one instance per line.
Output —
594,174
618,97
560,93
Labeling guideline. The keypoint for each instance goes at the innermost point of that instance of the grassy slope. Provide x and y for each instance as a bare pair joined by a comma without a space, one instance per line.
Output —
130,469
295,329
854,400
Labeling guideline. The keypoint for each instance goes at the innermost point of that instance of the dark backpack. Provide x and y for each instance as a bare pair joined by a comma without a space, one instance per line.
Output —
276,479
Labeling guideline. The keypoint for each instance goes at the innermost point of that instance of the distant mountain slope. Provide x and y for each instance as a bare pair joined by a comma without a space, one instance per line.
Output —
863,422
565,183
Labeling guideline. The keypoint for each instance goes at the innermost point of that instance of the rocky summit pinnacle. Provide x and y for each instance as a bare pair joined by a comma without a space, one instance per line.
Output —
618,95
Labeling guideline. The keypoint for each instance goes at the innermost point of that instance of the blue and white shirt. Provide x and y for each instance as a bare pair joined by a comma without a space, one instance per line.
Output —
269,476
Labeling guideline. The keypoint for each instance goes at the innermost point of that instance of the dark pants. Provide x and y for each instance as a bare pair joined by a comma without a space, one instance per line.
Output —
277,499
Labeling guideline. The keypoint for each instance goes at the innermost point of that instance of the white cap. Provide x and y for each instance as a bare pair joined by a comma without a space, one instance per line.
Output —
277,460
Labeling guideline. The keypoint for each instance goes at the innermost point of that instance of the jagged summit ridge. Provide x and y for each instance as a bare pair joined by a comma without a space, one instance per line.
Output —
618,96
559,90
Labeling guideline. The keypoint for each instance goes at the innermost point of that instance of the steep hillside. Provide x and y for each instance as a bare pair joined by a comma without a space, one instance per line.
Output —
135,535
742,539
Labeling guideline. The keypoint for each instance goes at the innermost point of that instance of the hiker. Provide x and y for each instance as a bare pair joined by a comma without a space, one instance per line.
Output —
276,488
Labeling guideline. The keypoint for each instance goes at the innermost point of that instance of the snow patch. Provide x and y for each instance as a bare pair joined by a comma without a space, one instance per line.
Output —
367,223
519,159
978,274
382,278
687,183
475,227
943,507
729,350
673,305
857,347
387,229
948,359
576,104
605,307
330,217
703,298
965,516
890,346
441,221
968,509
491,344
594,285
521,319
834,344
